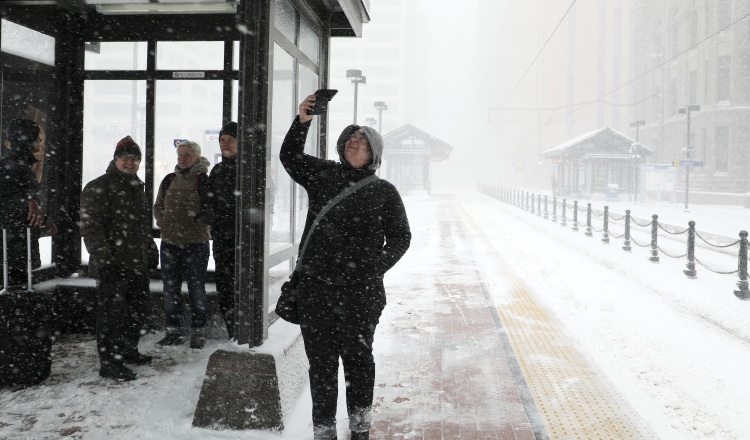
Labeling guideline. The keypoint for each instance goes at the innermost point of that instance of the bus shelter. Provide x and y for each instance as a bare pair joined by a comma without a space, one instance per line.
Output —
598,162
94,71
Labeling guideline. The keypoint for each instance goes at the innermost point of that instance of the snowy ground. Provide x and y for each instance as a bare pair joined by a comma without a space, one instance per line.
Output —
676,348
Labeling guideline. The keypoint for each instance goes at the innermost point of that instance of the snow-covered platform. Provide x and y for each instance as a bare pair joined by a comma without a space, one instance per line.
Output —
499,325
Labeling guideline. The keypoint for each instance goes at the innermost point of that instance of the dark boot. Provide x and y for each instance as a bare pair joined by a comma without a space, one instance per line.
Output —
198,338
360,436
137,359
173,337
117,372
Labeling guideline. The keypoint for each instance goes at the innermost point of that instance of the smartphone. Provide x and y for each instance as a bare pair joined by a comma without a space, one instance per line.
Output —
322,97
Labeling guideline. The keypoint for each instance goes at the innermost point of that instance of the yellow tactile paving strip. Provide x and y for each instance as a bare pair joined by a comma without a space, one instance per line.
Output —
575,400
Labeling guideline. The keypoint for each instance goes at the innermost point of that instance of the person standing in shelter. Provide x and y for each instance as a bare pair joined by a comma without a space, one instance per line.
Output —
19,198
116,229
340,286
222,198
181,211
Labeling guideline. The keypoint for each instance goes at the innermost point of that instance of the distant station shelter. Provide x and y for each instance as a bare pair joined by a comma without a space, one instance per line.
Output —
597,162
408,155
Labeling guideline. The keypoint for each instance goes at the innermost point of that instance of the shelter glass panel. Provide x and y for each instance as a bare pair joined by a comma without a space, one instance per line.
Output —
190,55
309,41
116,55
285,19
27,43
283,110
112,109
236,55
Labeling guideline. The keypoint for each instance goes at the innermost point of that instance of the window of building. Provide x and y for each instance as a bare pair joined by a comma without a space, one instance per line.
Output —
723,78
721,153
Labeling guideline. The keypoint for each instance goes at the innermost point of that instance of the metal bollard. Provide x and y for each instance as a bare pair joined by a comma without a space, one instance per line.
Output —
626,245
744,292
545,207
605,232
588,221
539,204
654,258
575,215
554,209
532,204
690,272
562,220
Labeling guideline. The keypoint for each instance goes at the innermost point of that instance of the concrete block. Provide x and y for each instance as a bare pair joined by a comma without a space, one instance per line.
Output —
254,388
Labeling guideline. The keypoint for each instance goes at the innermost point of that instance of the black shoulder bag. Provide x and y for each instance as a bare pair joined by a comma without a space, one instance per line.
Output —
286,307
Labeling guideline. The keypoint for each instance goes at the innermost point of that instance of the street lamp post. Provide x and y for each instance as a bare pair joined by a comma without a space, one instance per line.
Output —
356,77
380,106
688,110
370,121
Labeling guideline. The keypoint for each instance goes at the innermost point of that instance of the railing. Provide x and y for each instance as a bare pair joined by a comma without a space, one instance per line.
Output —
526,200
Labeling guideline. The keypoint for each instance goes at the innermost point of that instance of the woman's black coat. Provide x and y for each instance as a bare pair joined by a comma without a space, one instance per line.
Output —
360,238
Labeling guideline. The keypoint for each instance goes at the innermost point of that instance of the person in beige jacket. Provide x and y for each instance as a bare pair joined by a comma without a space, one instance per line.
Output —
182,213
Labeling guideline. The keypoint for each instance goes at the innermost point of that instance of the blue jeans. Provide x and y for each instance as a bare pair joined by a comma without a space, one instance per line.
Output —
184,262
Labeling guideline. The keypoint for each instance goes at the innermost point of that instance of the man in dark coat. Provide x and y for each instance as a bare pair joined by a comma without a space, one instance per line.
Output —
116,228
340,287
222,184
19,198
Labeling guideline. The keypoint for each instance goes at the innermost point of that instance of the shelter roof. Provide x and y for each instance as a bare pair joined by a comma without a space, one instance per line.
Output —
604,141
410,138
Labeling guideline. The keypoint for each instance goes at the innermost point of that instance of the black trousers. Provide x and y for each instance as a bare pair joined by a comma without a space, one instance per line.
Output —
122,309
223,250
339,322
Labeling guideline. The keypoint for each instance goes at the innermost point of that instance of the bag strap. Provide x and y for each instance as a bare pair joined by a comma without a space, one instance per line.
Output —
343,194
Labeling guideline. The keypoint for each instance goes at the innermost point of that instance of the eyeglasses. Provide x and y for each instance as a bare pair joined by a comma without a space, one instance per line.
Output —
129,158
360,138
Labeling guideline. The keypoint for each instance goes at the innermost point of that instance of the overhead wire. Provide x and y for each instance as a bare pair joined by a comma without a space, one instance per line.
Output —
600,99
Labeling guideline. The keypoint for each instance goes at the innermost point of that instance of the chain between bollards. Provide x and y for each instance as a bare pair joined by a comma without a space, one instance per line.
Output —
654,258
690,271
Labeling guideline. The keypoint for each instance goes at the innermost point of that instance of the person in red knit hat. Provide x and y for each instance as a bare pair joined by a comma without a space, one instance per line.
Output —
116,229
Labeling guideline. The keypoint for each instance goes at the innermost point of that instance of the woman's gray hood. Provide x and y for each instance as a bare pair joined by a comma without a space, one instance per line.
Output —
373,138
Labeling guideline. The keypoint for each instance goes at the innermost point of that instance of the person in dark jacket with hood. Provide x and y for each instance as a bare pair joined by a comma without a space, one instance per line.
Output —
116,229
340,278
19,198
222,184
